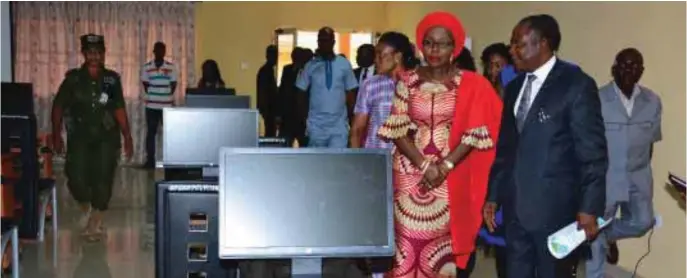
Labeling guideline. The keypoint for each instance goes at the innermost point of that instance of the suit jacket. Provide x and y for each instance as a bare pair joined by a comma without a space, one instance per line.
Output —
266,85
630,140
287,93
358,71
557,166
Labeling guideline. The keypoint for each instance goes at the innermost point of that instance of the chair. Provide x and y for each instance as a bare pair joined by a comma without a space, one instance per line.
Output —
47,195
47,191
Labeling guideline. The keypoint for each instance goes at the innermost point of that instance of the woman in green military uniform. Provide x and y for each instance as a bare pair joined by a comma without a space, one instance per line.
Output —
90,100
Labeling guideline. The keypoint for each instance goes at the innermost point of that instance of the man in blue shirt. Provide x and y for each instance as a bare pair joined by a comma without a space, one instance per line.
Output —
332,94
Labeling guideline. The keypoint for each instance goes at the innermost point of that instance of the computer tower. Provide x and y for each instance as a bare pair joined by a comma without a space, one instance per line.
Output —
19,138
186,231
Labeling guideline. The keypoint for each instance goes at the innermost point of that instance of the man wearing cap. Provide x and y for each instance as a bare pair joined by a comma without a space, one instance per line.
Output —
90,99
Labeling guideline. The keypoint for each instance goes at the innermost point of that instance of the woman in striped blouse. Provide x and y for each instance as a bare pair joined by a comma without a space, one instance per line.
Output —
394,54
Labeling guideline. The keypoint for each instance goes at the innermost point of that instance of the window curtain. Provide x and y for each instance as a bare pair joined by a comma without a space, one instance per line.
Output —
47,45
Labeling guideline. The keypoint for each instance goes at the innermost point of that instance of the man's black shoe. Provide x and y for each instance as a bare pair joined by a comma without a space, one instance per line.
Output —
613,253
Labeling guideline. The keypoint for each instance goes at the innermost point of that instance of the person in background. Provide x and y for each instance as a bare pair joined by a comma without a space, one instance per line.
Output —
498,69
444,123
330,82
632,114
210,76
366,63
365,59
308,54
551,157
293,128
332,85
465,61
90,98
159,78
267,91
394,54
495,58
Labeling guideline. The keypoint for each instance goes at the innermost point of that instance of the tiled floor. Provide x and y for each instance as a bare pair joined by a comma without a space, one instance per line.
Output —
123,253
127,251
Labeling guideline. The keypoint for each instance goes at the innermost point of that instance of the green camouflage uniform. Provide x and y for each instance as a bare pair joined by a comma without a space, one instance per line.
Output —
93,134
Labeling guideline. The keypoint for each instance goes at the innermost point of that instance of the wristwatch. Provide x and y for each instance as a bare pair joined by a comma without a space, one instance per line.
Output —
448,164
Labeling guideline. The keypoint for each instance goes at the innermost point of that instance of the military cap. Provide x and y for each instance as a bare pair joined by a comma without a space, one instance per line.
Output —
92,41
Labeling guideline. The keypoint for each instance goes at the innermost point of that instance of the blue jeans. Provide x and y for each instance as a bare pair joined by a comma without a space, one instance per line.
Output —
636,219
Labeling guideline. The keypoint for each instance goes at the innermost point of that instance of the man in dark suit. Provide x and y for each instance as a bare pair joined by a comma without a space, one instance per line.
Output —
551,157
365,58
293,127
267,91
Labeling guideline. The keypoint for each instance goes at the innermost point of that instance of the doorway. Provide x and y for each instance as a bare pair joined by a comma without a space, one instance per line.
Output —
347,44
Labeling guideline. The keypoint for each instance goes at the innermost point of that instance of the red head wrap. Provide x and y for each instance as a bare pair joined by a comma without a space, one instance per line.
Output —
445,20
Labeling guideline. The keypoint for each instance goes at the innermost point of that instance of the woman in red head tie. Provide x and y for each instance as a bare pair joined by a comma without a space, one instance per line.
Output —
444,124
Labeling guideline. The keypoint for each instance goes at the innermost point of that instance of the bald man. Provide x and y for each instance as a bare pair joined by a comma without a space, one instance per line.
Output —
632,116
331,83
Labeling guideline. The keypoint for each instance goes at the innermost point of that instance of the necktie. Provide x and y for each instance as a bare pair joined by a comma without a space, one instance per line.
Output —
525,102
363,75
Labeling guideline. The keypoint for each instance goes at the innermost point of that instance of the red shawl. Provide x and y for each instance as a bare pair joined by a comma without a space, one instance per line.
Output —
477,105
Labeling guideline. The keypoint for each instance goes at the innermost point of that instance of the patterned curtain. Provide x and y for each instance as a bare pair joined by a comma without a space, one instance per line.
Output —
47,46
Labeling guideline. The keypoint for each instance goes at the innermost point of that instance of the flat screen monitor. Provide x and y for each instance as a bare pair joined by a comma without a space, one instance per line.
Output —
211,91
192,137
218,101
295,203
17,99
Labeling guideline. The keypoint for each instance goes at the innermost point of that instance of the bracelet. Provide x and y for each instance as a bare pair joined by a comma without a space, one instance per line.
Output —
448,164
424,166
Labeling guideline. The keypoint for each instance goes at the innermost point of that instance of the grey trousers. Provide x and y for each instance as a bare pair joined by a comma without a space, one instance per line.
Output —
636,219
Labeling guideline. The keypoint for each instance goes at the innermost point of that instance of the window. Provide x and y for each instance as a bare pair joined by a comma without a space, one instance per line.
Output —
347,43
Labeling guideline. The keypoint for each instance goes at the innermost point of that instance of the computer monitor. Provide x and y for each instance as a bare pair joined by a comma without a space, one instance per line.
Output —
192,137
218,101
305,203
17,99
211,91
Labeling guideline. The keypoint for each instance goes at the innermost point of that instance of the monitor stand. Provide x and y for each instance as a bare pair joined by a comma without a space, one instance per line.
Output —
306,268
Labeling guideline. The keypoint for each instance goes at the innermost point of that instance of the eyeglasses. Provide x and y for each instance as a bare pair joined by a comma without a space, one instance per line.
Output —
441,45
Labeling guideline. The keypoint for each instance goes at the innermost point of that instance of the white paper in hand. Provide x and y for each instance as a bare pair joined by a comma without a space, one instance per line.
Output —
567,239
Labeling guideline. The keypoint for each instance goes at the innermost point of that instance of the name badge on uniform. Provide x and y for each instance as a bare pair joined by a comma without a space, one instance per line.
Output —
103,98
107,82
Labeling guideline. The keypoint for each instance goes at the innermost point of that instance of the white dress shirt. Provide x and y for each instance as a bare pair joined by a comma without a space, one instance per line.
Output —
629,103
366,73
541,73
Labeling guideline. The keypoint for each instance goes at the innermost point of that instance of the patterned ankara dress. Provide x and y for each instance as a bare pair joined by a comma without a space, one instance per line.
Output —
425,111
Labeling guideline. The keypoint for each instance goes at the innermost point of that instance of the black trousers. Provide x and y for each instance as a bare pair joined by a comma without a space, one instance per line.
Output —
528,256
293,130
500,254
465,273
153,122
269,119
